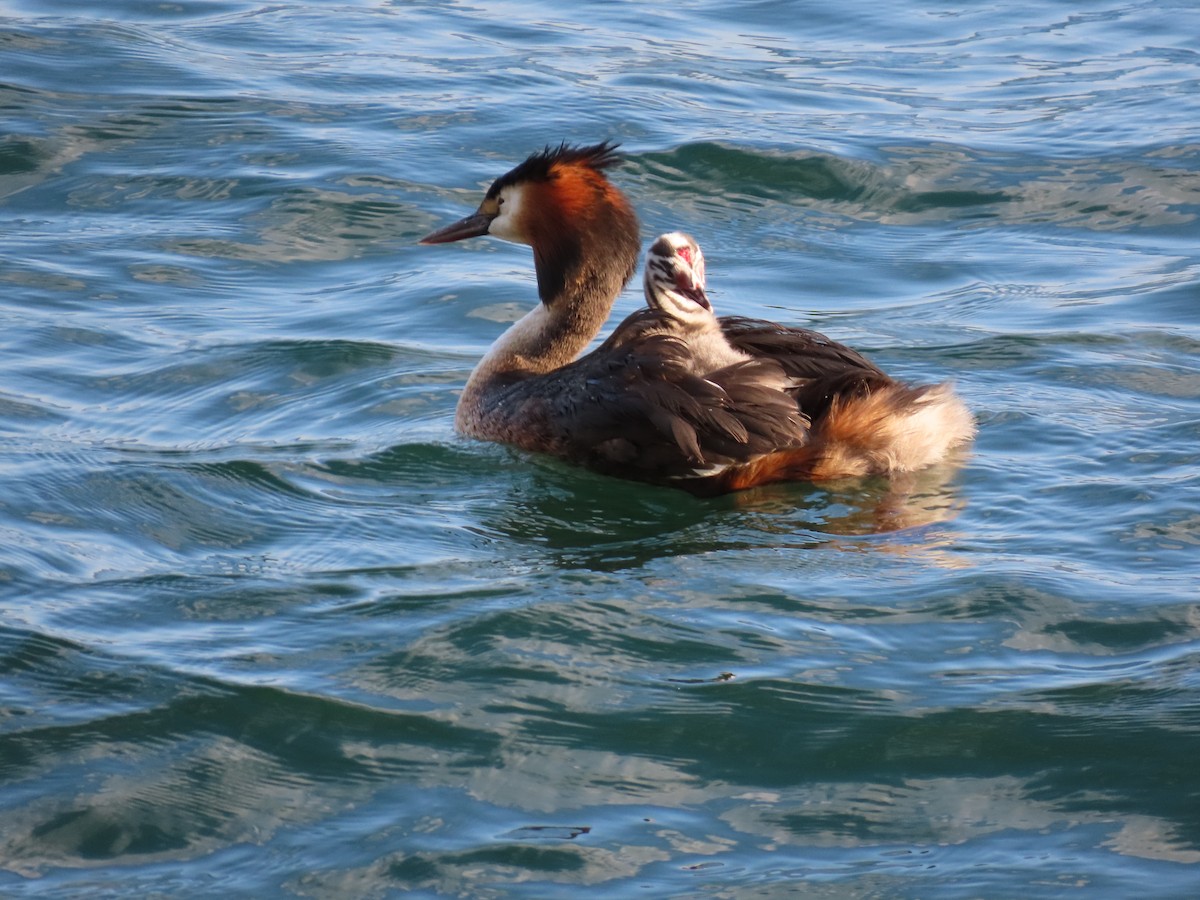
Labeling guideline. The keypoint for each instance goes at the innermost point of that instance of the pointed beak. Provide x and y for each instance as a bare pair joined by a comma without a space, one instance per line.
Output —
694,292
700,298
472,226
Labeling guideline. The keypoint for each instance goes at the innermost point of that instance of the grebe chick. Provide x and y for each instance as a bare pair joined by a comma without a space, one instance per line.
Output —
674,285
639,406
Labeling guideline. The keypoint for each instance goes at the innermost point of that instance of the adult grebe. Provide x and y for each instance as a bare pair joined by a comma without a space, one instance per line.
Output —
641,406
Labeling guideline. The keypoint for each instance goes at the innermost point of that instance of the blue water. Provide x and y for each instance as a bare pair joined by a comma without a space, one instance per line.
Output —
269,628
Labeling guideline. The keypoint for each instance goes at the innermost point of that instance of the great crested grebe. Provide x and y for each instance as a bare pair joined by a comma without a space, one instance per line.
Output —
792,405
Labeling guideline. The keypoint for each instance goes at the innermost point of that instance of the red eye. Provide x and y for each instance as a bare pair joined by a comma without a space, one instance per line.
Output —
686,254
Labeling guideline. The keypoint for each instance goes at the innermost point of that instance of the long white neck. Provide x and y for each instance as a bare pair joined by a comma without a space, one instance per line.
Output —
542,340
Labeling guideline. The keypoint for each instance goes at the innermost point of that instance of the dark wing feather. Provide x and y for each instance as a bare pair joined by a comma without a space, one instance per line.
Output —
633,408
637,326
800,352
770,416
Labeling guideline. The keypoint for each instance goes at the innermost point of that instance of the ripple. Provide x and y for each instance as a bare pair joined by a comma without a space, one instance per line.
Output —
204,771
933,183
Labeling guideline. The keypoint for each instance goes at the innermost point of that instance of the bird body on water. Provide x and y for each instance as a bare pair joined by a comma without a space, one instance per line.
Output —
663,399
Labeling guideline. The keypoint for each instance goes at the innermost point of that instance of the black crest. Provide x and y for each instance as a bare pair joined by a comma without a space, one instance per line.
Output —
537,167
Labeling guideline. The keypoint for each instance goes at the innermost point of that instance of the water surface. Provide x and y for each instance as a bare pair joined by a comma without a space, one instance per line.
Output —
269,628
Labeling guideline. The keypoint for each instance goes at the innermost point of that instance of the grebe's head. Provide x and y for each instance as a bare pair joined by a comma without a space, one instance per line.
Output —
560,202
675,278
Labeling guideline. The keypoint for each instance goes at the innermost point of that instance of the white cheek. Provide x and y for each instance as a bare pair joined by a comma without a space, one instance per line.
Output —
505,226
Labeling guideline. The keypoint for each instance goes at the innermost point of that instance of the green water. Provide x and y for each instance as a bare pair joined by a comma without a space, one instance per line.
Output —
269,628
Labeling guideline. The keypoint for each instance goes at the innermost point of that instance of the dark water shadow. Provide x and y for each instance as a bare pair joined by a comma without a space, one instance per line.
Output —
600,523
